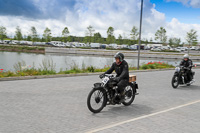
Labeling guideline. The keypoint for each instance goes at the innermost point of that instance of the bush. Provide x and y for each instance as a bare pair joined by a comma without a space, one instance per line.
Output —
167,50
21,48
90,69
145,67
156,65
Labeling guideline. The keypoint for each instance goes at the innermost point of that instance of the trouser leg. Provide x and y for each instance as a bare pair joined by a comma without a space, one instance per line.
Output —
189,75
121,85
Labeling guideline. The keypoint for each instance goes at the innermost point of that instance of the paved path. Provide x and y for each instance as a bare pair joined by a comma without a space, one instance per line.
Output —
58,105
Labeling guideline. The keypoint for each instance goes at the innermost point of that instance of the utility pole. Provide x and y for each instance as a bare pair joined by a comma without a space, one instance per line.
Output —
138,65
189,49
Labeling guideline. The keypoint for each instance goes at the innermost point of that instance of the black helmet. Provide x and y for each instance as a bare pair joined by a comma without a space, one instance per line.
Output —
120,56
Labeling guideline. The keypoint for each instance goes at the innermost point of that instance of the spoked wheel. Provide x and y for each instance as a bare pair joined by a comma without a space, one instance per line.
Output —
129,95
175,82
96,100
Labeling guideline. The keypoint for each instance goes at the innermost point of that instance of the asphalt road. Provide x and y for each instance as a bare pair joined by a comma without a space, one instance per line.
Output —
58,105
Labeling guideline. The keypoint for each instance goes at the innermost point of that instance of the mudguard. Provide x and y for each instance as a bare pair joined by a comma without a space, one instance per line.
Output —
96,85
193,73
176,74
134,85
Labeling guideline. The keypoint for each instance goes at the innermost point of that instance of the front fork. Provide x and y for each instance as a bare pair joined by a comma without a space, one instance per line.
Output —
183,79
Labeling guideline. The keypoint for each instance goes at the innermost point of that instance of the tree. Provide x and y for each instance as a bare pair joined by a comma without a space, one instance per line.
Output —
90,31
120,40
28,38
111,38
174,42
110,31
86,39
151,40
146,41
134,33
18,34
161,35
2,33
47,35
97,38
65,34
33,34
70,38
191,37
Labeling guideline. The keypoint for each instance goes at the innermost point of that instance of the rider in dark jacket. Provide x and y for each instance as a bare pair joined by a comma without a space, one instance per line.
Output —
120,66
186,62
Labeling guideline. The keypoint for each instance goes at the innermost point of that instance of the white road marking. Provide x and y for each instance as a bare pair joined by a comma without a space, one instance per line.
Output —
142,117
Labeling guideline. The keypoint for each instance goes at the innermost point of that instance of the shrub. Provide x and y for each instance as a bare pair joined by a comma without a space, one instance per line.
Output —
156,65
145,67
90,69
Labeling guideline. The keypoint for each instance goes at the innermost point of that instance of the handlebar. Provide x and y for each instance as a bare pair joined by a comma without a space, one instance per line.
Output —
184,67
107,75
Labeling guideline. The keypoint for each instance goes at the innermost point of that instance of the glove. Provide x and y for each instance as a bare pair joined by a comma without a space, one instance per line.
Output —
101,76
116,79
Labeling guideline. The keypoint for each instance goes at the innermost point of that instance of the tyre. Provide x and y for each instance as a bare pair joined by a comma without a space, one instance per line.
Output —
175,82
96,100
129,95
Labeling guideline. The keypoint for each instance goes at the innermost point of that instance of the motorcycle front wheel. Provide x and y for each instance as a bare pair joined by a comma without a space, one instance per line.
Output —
175,81
96,100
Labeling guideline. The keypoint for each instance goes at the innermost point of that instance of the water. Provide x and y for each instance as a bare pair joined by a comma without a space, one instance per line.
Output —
8,59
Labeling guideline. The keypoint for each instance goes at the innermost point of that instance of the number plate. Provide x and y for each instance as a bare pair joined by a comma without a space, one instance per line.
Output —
105,80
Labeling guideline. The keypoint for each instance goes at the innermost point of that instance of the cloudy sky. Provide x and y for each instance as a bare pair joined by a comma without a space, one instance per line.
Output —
177,16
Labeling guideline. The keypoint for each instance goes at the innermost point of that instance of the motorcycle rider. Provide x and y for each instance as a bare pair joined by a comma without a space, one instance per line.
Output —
120,66
186,62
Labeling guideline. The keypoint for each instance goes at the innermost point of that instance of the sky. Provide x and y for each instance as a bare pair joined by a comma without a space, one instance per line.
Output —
176,16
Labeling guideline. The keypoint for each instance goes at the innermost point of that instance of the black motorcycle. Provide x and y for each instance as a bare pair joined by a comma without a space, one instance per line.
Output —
106,93
180,77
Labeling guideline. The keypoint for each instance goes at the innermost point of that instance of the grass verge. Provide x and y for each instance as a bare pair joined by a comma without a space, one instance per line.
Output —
48,68
28,49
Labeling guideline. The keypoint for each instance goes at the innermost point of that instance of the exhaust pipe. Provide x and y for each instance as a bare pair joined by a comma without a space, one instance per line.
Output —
193,81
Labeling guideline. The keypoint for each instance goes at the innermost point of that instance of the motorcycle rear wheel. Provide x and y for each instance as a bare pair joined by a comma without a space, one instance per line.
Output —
96,100
129,95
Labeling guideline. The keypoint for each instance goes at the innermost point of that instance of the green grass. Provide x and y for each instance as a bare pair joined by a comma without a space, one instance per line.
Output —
20,48
48,68
174,51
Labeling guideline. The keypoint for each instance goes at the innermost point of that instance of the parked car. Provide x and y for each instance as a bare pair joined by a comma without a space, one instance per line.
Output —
95,45
133,47
178,49
103,46
193,48
112,45
156,49
198,49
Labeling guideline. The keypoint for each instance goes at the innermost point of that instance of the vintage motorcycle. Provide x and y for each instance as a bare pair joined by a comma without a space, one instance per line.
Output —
180,78
105,93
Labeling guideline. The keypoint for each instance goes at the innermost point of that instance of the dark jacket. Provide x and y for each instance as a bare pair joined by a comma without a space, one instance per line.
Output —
187,63
121,70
